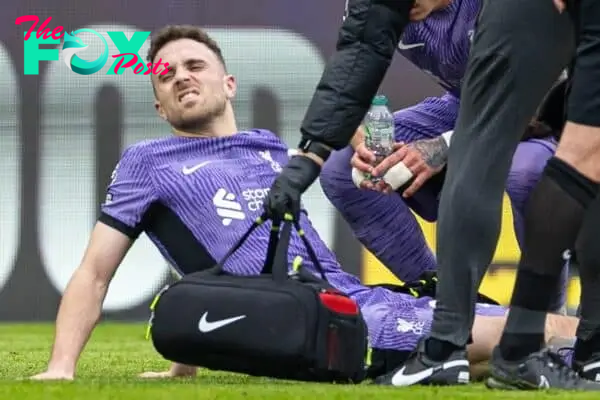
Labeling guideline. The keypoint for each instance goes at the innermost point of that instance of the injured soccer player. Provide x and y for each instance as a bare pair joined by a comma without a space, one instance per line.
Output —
196,191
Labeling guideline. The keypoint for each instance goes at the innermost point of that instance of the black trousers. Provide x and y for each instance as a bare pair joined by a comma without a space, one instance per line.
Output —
584,97
520,49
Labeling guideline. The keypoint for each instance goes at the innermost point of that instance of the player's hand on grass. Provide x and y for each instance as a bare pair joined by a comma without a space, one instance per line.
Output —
157,375
163,375
53,376
176,371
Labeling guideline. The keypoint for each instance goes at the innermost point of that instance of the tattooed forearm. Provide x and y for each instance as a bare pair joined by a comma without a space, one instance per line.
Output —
434,151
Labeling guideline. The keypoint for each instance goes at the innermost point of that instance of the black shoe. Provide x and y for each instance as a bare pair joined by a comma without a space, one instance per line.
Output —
589,369
540,370
420,370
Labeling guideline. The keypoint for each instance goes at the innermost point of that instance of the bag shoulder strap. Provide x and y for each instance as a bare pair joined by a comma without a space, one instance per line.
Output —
218,268
277,264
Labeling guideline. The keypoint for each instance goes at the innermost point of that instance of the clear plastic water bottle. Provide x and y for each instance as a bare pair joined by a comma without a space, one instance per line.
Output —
379,128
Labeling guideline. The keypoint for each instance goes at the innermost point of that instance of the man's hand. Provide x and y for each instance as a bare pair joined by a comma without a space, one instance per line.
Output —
560,5
157,375
423,8
363,160
176,371
296,177
51,375
424,158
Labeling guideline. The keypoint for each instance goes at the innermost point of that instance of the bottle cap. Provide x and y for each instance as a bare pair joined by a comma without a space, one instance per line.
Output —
379,100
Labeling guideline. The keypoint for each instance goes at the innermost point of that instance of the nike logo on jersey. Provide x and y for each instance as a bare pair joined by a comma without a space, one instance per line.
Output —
191,170
404,46
205,326
402,379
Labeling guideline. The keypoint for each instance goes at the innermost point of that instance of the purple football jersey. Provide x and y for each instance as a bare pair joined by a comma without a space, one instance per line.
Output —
195,197
440,44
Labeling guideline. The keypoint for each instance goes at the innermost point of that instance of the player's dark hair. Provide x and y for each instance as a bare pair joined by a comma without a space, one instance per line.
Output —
175,32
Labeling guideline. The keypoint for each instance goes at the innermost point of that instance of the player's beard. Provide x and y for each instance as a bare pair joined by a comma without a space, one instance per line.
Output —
201,120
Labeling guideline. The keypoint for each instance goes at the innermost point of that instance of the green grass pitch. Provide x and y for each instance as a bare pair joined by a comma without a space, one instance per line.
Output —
117,353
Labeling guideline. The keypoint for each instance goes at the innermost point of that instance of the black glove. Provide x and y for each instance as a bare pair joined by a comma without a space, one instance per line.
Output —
284,195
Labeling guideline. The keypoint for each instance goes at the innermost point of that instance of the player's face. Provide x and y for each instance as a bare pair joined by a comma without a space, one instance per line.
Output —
423,8
196,90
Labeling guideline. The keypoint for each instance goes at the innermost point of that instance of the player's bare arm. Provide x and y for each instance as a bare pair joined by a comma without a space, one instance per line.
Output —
81,305
433,152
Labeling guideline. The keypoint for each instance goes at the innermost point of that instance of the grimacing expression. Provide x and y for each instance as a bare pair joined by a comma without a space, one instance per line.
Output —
196,89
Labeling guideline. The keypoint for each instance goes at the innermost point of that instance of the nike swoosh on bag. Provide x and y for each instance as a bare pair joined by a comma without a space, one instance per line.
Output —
205,326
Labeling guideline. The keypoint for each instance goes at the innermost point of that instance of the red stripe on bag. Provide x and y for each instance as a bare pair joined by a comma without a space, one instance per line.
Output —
338,303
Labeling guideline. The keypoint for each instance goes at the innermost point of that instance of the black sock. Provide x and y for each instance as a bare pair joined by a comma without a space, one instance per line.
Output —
588,256
524,330
553,218
586,349
439,350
